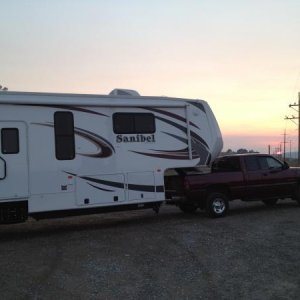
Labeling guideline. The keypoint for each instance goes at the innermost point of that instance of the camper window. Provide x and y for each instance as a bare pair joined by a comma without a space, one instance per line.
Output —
9,140
129,123
64,135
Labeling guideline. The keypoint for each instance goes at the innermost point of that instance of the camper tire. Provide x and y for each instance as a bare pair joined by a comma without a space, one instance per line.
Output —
217,204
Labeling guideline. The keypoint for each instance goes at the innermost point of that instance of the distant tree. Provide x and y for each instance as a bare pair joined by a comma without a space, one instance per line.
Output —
242,151
229,151
3,88
239,151
252,151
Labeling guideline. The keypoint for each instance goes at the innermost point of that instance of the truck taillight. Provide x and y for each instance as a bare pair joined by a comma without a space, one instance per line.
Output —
186,184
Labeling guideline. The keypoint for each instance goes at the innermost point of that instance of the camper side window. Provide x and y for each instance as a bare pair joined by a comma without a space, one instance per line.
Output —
64,135
9,140
129,123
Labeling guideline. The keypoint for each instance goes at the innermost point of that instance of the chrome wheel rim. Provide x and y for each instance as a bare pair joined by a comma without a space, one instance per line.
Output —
218,205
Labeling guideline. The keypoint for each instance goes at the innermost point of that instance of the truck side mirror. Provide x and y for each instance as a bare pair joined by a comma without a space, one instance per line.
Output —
285,165
2,168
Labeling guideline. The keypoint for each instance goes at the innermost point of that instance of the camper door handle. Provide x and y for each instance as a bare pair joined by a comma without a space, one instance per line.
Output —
2,168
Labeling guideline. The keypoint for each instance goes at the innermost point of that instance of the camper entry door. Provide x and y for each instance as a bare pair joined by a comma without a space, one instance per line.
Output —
13,161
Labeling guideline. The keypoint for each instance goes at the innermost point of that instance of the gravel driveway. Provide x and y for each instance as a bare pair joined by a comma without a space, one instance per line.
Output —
253,253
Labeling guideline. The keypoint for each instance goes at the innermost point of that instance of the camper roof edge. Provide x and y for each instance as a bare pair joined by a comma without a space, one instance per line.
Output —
12,97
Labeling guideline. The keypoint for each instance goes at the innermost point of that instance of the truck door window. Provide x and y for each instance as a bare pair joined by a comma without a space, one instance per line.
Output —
263,163
10,140
227,164
273,163
267,163
252,163
234,163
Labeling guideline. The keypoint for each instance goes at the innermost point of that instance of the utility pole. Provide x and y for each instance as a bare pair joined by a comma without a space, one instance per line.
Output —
284,143
292,118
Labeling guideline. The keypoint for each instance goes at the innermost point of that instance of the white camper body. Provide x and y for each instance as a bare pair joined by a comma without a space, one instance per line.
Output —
66,153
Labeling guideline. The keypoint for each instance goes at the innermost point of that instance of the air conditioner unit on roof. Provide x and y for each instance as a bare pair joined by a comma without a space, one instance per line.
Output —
123,92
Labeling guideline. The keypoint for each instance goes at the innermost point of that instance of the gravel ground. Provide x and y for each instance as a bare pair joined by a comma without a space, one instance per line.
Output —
253,253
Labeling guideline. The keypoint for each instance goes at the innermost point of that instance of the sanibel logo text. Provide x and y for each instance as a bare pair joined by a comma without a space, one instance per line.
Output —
139,138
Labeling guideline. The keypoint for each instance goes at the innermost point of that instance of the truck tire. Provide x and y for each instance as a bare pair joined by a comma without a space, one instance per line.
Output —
217,204
270,202
187,207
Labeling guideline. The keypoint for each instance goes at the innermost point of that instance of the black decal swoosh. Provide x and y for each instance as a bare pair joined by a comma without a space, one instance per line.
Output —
169,114
166,155
104,182
142,188
145,188
89,179
184,151
183,129
184,140
104,147
198,138
180,127
73,174
70,107
198,105
99,188
202,151
133,187
51,125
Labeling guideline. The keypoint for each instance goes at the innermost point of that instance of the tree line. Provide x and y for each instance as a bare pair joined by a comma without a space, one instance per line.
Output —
239,151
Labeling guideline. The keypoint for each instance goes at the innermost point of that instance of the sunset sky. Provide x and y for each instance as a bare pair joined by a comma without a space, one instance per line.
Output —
243,57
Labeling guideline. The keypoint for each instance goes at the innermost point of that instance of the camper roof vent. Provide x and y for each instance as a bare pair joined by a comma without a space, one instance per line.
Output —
123,92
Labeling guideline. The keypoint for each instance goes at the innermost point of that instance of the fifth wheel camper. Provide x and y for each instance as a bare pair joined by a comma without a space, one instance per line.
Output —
72,154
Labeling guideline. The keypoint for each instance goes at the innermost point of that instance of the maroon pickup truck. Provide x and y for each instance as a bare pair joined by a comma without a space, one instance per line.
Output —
246,177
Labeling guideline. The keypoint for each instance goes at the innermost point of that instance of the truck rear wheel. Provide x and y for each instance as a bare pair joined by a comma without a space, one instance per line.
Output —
217,204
